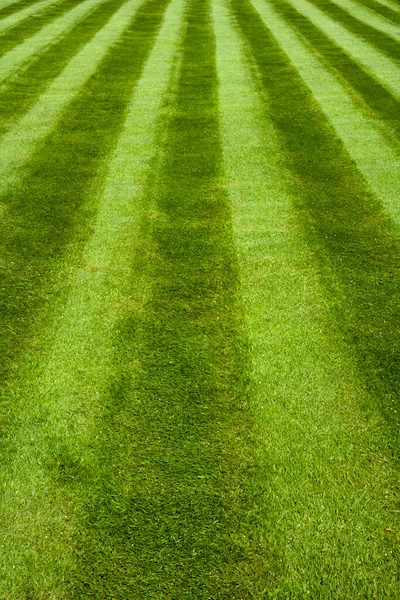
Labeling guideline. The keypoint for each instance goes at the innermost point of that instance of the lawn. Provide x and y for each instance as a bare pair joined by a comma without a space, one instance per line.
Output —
199,299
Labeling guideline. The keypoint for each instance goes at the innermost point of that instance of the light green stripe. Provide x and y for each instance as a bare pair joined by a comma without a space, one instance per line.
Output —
23,14
102,286
29,49
67,384
368,16
301,375
380,66
17,145
361,135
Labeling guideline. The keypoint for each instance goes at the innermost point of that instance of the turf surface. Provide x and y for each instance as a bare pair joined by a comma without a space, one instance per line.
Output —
199,299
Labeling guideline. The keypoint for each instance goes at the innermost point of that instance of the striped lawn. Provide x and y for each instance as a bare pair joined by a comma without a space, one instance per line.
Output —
289,333
382,175
28,84
374,29
199,299
378,101
8,7
21,140
82,325
386,71
25,13
387,8
390,4
12,62
367,16
375,157
26,28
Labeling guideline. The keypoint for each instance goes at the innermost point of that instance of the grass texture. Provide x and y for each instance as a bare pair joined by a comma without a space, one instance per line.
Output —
199,299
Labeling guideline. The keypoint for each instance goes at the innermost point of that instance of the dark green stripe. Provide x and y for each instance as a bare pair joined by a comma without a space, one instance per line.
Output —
51,208
348,229
374,37
24,90
174,513
384,105
28,27
16,7
385,11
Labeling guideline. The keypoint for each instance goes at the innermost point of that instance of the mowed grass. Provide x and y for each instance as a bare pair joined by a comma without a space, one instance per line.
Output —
199,300
22,25
376,97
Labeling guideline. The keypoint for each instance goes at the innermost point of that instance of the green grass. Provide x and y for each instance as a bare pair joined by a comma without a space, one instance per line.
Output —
373,61
26,87
56,192
199,303
288,331
380,38
373,93
56,225
12,34
13,6
176,524
382,9
354,237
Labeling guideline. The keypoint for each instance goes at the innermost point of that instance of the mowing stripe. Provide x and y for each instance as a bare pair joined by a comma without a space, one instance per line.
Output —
369,17
29,50
27,29
169,517
32,9
320,489
26,87
373,155
392,5
382,68
386,108
103,280
59,180
389,10
8,7
21,141
5,3
345,223
60,390
367,30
